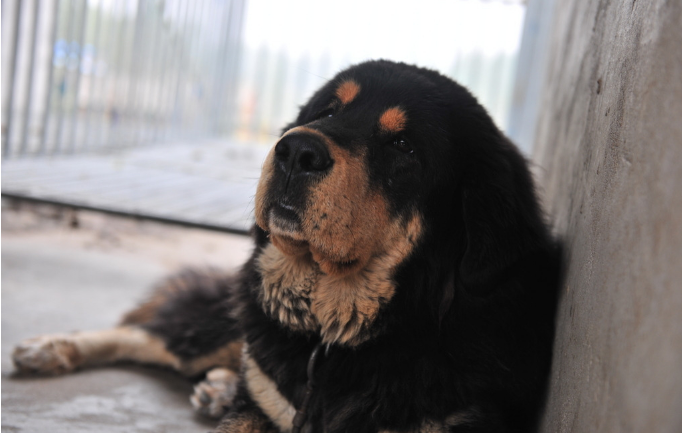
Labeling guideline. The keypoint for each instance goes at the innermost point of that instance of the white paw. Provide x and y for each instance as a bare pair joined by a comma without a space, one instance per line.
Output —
214,395
48,354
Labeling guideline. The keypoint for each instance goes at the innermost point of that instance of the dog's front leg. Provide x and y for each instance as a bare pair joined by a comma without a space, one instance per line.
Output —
62,353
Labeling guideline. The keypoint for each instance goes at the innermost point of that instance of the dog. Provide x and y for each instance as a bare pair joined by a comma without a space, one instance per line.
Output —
403,277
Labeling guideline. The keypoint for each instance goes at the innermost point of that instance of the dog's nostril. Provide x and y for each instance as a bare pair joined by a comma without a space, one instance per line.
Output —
308,160
303,154
282,151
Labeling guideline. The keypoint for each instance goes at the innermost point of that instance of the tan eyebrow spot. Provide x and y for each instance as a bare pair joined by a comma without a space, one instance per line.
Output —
347,91
393,120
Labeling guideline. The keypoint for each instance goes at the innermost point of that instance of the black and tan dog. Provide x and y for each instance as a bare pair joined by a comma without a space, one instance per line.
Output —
402,280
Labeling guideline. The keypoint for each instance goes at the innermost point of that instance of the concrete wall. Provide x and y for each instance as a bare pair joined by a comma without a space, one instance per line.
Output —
609,154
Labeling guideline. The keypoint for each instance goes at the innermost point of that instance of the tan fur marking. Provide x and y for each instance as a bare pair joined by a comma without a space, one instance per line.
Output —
261,199
91,348
344,216
228,356
393,120
264,392
244,422
346,306
124,344
347,91
65,352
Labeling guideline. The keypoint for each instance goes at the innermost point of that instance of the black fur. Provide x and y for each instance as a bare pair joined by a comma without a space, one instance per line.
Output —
470,327
197,317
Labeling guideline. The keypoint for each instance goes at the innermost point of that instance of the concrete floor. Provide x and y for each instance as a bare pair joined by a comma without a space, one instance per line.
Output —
210,182
64,271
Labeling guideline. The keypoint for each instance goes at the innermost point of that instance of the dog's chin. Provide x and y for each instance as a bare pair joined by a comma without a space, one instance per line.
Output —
289,246
337,268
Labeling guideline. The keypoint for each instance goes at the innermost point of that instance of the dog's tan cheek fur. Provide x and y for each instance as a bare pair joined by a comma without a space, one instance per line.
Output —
261,202
344,216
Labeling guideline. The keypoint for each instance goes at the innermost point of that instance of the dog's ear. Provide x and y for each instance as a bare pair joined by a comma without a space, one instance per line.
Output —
502,219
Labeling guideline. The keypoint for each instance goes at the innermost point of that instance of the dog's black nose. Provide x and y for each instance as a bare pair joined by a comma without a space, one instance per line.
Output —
302,154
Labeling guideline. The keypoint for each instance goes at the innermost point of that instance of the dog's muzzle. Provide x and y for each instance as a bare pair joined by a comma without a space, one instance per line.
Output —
299,160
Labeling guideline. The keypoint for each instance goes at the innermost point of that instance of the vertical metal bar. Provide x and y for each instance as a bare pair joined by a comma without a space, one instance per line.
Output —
63,85
147,62
31,76
192,76
115,120
151,72
221,61
235,28
76,91
157,89
96,44
212,25
177,108
174,68
8,117
133,72
203,79
106,81
161,124
50,85
196,35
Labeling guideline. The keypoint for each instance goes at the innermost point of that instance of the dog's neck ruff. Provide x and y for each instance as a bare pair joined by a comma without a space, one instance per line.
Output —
341,310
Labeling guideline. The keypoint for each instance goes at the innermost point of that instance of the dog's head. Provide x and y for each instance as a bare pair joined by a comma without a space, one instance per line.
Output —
386,157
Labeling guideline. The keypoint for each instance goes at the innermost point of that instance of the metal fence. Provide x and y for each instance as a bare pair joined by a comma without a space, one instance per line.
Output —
94,74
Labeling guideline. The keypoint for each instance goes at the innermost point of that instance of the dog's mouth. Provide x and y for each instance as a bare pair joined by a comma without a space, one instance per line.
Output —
284,218
284,225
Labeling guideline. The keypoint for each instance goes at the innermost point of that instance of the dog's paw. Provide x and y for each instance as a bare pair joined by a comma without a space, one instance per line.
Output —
214,395
48,354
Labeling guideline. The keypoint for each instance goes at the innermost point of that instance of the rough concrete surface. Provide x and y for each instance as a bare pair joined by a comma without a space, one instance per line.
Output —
609,151
75,270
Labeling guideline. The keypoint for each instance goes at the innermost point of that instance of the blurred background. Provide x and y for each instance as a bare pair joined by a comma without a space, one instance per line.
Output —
166,108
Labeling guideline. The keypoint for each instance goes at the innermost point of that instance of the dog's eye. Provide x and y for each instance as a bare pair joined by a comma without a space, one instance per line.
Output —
329,112
402,146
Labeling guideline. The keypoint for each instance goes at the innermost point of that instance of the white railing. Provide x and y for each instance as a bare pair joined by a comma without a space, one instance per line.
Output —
95,74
